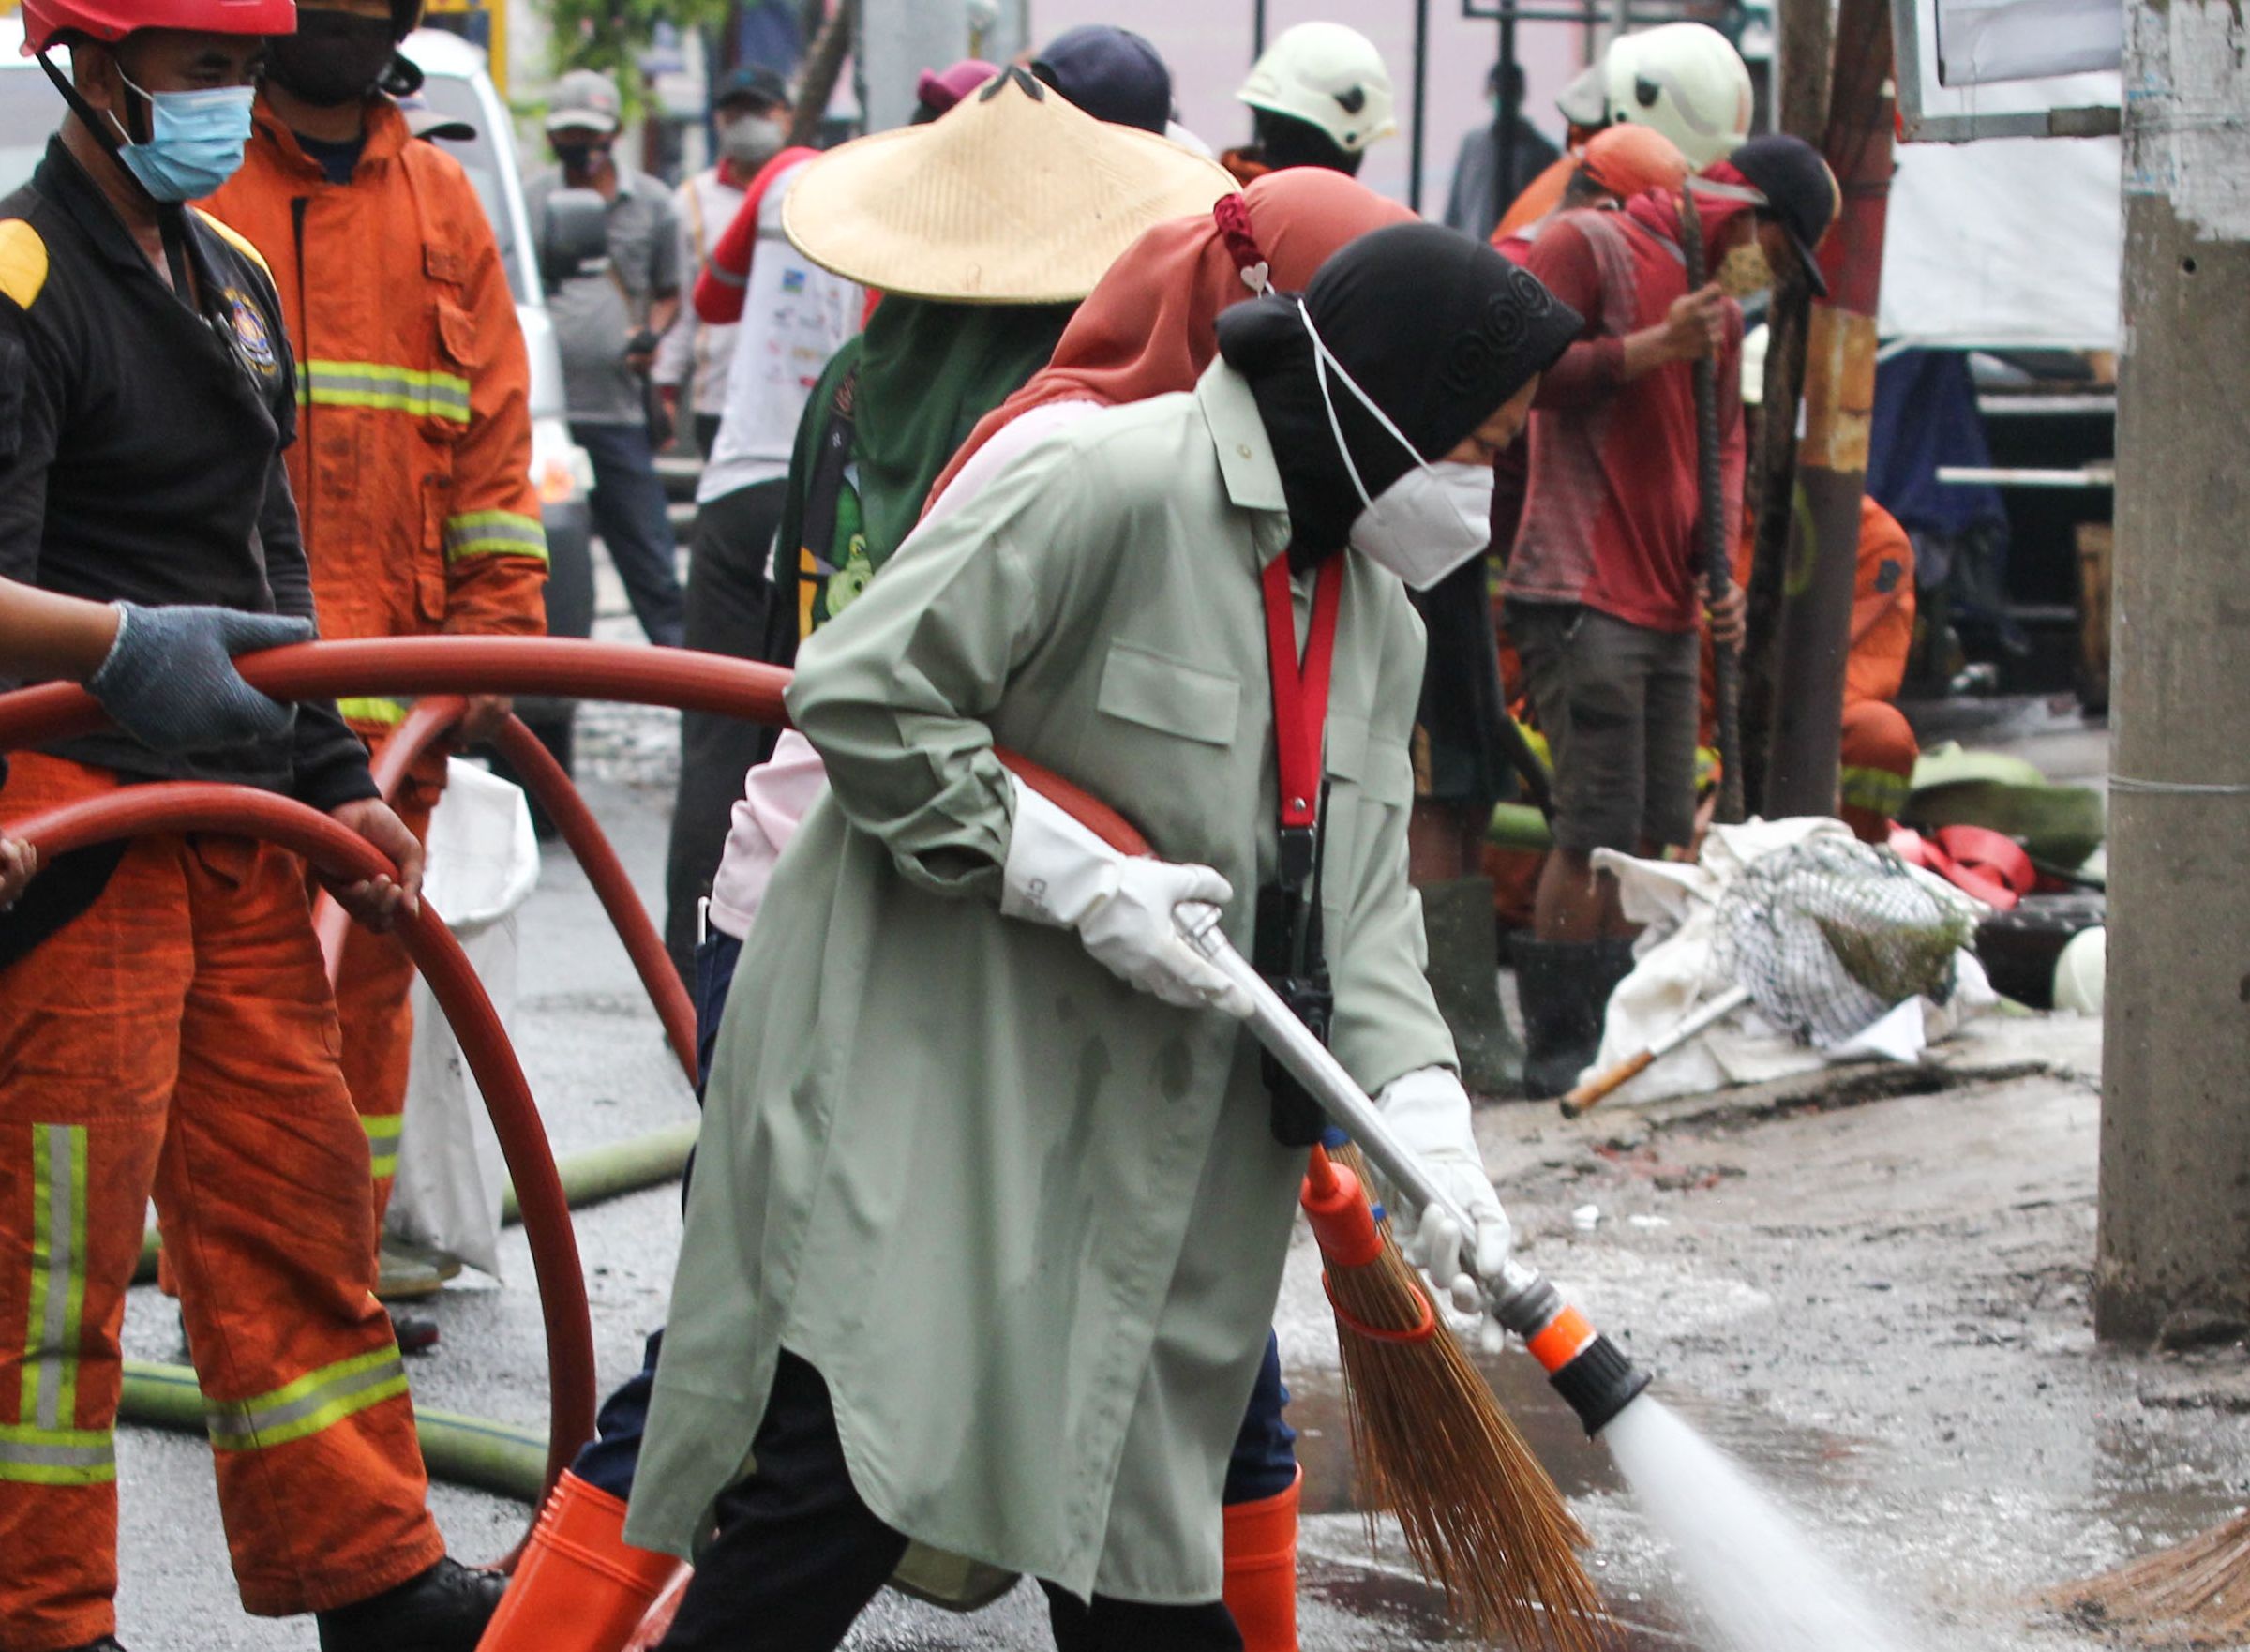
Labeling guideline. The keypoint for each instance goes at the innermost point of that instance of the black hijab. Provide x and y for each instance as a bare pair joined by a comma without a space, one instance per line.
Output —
1438,329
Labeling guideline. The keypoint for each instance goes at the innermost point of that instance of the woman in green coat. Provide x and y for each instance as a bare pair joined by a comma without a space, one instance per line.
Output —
992,1200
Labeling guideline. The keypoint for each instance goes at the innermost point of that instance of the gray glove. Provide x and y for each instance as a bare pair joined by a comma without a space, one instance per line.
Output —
170,678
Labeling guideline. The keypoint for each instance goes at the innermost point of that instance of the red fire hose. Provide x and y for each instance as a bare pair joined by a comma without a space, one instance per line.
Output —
340,852
430,720
434,666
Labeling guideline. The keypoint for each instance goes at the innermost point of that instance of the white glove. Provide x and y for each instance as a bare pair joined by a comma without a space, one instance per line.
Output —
1429,1111
1059,873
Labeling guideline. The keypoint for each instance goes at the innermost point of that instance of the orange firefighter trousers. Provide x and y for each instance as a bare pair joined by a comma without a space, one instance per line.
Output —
1879,750
178,1039
372,1003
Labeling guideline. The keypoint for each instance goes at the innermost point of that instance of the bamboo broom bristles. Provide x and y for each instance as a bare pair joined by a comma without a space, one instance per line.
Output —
1480,1517
2192,1594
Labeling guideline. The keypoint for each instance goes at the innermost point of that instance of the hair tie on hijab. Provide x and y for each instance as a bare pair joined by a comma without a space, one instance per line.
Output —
1231,213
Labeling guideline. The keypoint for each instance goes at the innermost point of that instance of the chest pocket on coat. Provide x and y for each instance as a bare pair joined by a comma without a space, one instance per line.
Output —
444,420
1146,688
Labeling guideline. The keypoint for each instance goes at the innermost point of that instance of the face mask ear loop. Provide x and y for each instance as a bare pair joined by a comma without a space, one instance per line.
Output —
1321,354
1320,377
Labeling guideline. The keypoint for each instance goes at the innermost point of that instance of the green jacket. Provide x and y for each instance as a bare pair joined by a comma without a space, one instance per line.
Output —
1028,1222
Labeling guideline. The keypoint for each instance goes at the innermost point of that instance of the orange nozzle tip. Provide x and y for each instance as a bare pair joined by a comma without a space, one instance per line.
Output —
1563,1339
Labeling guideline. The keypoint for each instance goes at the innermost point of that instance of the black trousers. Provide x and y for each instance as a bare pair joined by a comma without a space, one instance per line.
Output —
798,1556
727,594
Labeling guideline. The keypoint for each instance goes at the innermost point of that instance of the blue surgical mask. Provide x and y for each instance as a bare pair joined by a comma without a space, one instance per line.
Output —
195,141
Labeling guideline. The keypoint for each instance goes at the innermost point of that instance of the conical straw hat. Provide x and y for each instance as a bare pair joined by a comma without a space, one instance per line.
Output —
1012,196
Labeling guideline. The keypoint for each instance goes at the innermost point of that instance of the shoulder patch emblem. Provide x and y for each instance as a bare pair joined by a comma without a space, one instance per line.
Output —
22,261
252,338
237,240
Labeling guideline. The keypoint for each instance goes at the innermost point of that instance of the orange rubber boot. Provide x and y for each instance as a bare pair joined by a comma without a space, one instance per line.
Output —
1260,1586
580,1586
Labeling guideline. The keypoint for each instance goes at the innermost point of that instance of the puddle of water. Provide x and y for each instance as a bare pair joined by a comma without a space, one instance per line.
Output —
1383,1589
1550,1427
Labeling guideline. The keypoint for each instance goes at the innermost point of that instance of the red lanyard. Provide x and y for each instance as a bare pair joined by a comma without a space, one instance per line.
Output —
1301,694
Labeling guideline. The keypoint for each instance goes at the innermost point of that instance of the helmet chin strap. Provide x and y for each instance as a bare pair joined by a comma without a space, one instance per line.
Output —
172,216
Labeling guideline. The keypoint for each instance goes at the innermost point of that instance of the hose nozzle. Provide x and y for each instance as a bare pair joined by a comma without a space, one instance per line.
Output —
1590,1372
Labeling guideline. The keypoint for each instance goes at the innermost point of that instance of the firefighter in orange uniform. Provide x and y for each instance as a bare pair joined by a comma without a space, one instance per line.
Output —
412,469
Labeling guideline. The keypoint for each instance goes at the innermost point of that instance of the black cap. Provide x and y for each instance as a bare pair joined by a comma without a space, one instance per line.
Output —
1801,194
1111,73
754,83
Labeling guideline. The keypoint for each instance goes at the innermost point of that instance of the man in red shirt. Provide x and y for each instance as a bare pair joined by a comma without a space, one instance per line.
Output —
1604,585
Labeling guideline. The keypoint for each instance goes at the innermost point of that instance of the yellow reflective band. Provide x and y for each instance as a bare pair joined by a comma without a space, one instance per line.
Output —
58,1277
1877,791
493,534
388,389
386,711
382,1144
319,1399
56,1456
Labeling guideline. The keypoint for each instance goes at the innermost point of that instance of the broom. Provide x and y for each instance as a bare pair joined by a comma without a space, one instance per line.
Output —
2194,1594
1433,1446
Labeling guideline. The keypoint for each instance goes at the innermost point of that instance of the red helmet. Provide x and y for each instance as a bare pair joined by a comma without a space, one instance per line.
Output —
45,21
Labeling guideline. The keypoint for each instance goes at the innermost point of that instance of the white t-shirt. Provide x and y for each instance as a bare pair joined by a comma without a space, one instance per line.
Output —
795,316
704,205
783,789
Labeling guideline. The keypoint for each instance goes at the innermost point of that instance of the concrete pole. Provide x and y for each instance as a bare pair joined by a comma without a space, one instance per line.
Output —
2174,1234
1839,401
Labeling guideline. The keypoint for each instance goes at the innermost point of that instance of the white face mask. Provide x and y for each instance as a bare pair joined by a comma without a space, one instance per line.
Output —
1427,522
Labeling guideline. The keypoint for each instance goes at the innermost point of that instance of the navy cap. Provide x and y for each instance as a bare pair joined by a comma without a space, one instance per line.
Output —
1800,191
1111,73
752,83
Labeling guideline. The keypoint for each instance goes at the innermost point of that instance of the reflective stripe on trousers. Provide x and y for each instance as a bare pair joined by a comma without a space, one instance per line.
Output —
1879,791
383,1132
314,1402
44,1448
390,389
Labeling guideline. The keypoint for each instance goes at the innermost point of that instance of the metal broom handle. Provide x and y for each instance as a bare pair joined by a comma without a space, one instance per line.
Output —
1521,1299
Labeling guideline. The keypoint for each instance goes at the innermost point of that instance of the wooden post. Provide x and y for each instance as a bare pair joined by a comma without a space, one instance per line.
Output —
1806,33
1839,398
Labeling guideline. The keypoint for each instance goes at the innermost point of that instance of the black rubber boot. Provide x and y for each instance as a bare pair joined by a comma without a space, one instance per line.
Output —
1565,987
107,1644
1464,976
441,1609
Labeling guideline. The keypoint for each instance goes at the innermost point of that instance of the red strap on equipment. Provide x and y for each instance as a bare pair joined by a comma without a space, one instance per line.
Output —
1301,694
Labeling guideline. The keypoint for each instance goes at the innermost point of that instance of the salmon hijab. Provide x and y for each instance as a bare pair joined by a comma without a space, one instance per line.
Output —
1149,327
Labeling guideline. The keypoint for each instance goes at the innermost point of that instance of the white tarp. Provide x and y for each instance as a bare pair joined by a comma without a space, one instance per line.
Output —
2005,243
1674,973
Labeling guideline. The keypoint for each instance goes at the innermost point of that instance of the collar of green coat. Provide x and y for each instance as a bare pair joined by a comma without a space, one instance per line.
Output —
1253,481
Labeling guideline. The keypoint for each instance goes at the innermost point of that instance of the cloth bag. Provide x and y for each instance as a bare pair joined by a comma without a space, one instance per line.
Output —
483,864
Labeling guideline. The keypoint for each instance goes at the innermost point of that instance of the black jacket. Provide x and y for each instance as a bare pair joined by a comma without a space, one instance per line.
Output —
141,451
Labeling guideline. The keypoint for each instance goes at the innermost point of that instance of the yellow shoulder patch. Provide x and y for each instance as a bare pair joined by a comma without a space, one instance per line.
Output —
22,261
237,240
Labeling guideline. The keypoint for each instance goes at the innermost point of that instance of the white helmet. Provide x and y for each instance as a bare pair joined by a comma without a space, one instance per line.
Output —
1328,76
1685,80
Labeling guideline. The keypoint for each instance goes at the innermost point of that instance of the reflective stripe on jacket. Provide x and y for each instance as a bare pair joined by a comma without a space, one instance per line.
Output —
413,462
